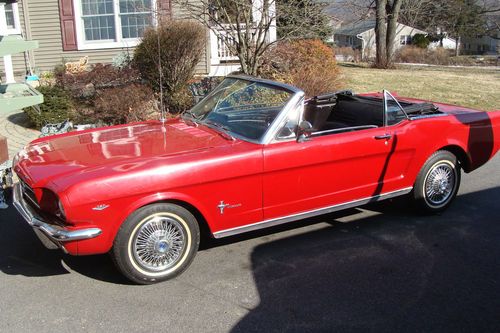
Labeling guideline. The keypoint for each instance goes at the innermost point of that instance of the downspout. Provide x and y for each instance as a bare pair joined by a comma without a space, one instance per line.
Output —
26,17
27,34
358,36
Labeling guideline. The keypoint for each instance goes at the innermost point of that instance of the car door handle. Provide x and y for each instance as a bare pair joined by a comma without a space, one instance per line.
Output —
383,137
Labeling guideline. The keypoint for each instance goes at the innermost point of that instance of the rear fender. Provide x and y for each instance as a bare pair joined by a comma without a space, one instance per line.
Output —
495,116
482,137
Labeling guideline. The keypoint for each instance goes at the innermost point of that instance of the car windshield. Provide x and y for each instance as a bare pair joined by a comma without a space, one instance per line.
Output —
241,107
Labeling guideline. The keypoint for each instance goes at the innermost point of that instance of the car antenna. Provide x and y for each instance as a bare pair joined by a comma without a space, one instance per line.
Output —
160,72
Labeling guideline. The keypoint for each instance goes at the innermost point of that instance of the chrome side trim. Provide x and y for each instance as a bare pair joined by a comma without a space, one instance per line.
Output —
425,116
55,233
308,214
343,129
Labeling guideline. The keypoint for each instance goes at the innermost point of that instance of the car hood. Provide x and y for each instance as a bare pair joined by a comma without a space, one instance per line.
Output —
117,146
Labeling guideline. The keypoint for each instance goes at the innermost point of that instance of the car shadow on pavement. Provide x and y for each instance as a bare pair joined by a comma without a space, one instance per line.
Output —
346,275
388,272
22,253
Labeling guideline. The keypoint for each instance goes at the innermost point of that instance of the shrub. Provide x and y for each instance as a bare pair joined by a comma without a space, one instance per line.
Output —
438,56
56,108
413,54
122,60
109,95
470,61
100,76
202,86
420,40
119,105
181,47
179,101
348,53
307,64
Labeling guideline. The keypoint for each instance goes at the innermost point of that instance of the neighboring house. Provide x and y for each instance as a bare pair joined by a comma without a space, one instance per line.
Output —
489,43
447,43
100,29
361,35
485,45
335,22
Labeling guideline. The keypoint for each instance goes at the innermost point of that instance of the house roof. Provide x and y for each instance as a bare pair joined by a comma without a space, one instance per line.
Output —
355,28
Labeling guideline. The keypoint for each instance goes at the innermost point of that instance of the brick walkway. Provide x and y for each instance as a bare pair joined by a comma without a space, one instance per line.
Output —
14,126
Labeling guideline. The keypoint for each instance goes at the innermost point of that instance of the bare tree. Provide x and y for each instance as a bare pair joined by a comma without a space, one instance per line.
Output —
386,22
490,9
456,18
413,11
351,11
248,28
460,18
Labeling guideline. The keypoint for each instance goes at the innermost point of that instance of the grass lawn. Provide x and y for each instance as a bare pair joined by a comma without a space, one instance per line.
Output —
475,88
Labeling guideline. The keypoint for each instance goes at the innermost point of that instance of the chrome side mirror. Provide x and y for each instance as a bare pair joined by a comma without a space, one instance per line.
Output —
305,126
288,131
305,130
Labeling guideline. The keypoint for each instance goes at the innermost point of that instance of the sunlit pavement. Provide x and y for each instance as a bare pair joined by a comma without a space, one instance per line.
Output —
13,126
380,268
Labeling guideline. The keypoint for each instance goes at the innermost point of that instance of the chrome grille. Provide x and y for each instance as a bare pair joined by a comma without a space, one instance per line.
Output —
29,194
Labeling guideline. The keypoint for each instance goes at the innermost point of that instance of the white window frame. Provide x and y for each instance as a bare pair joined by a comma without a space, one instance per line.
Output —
118,42
17,22
405,39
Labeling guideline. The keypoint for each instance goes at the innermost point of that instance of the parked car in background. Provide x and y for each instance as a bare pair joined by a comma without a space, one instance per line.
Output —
253,154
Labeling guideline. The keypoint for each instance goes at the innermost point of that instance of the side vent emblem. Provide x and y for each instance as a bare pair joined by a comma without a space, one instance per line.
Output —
100,207
223,206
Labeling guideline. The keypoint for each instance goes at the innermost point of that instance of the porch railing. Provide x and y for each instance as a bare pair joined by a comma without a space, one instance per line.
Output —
220,52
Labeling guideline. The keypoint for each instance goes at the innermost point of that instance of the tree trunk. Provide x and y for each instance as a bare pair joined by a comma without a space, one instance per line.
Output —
387,14
457,46
392,25
381,34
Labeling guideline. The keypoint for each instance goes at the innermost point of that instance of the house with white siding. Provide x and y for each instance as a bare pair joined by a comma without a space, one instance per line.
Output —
483,45
68,30
361,35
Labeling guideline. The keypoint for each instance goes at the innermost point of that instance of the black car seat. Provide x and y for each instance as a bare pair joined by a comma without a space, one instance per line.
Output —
318,109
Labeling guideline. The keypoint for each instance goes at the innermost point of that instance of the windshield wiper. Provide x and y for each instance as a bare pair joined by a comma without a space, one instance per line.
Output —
221,129
193,119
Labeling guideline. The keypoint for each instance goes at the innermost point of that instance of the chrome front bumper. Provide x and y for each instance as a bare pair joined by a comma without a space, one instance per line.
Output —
56,234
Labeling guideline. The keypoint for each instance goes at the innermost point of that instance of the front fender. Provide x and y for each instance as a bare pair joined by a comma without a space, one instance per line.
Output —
109,220
168,196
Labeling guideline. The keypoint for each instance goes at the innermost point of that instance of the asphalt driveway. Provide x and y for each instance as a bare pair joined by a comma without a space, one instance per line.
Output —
378,268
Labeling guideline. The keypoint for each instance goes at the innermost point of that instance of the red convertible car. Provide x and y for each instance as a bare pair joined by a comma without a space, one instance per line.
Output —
252,154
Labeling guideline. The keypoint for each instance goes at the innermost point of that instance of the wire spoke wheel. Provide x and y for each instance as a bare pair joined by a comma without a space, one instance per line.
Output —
437,183
440,183
159,243
156,242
